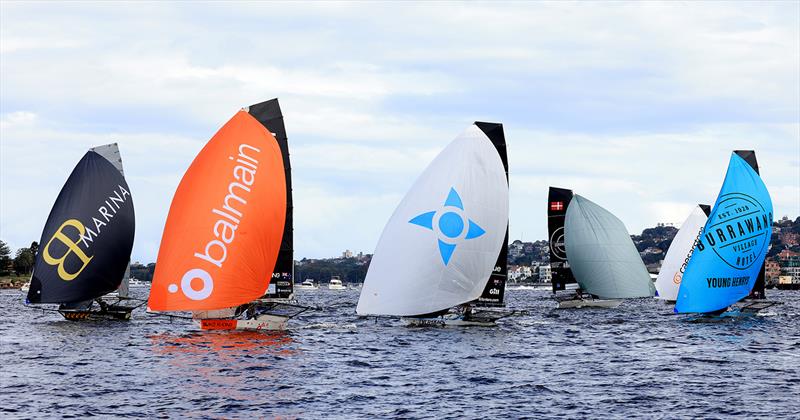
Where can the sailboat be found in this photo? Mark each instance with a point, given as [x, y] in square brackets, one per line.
[558, 200]
[226, 251]
[679, 253]
[87, 241]
[730, 254]
[602, 257]
[436, 262]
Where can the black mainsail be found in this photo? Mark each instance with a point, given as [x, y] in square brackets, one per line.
[759, 289]
[494, 293]
[269, 114]
[557, 203]
[88, 237]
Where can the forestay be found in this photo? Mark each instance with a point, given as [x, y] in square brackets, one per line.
[679, 252]
[440, 245]
[602, 255]
[729, 255]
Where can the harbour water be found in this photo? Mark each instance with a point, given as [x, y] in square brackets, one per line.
[638, 361]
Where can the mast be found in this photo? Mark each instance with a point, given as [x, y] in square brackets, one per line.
[760, 288]
[494, 293]
[557, 203]
[269, 114]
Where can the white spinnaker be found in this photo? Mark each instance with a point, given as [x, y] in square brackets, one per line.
[407, 275]
[669, 278]
[601, 254]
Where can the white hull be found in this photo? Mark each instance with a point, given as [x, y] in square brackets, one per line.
[307, 287]
[589, 303]
[337, 288]
[263, 322]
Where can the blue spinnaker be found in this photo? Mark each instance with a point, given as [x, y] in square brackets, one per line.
[732, 248]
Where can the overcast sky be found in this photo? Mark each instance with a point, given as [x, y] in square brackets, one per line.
[635, 106]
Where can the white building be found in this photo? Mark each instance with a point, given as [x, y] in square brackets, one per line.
[545, 276]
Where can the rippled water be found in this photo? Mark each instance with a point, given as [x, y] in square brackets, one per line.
[636, 361]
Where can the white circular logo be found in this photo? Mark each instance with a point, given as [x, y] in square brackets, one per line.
[186, 284]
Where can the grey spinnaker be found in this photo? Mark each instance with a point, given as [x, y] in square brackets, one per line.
[602, 255]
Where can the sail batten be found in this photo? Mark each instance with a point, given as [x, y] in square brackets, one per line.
[440, 246]
[602, 255]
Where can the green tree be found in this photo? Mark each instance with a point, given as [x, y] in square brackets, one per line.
[23, 262]
[5, 259]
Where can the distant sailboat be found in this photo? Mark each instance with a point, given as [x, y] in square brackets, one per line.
[87, 241]
[602, 257]
[730, 254]
[679, 253]
[558, 200]
[439, 250]
[228, 238]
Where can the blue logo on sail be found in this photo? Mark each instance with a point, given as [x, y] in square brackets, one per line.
[450, 225]
[739, 231]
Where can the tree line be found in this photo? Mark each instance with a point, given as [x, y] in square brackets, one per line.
[22, 262]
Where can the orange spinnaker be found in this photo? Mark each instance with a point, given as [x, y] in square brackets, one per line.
[224, 227]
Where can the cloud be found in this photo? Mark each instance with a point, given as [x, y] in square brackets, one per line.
[634, 105]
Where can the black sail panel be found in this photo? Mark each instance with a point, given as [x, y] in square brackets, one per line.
[558, 200]
[269, 114]
[760, 287]
[88, 237]
[495, 290]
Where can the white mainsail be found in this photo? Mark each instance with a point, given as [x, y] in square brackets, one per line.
[678, 254]
[602, 255]
[440, 245]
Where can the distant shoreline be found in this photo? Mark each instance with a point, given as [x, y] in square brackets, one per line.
[13, 282]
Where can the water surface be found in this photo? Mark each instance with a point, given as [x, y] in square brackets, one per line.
[639, 360]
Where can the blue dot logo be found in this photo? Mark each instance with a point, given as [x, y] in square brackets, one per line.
[450, 225]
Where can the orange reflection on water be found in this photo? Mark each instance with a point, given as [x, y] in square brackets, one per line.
[225, 358]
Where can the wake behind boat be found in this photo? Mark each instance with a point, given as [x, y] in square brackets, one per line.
[226, 254]
[87, 240]
[436, 261]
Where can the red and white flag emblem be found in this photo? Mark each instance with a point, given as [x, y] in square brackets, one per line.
[556, 205]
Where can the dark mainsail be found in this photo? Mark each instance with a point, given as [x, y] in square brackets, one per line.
[557, 202]
[269, 114]
[494, 293]
[759, 289]
[87, 240]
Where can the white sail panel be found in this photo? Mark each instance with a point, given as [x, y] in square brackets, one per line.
[441, 244]
[602, 255]
[671, 273]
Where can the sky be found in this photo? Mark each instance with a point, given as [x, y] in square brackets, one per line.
[635, 106]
